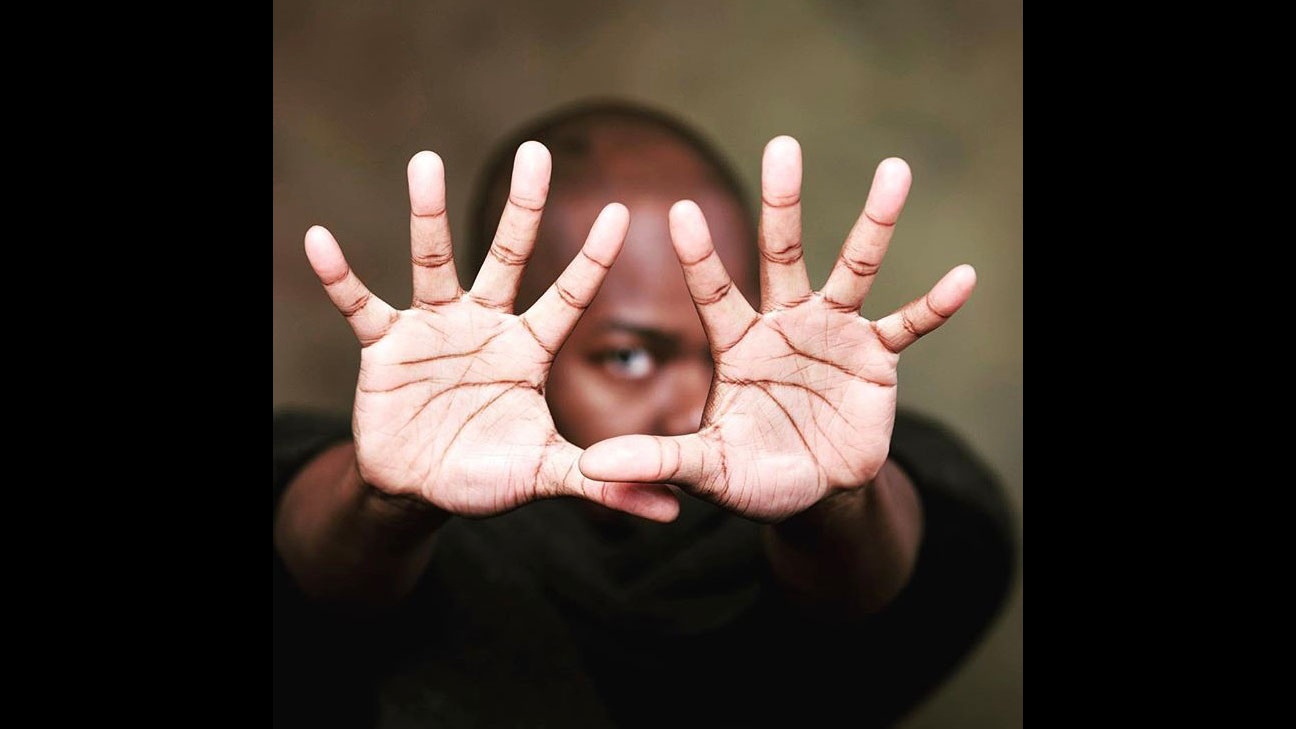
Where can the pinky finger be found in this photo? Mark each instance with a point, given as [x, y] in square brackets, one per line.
[369, 316]
[923, 315]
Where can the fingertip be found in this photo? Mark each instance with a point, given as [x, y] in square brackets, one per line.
[966, 278]
[665, 510]
[688, 231]
[654, 502]
[782, 145]
[781, 170]
[425, 161]
[531, 171]
[687, 218]
[615, 212]
[323, 253]
[317, 238]
[683, 209]
[954, 289]
[608, 233]
[589, 465]
[961, 278]
[426, 173]
[894, 167]
[532, 154]
[532, 147]
[618, 219]
[893, 178]
[886, 197]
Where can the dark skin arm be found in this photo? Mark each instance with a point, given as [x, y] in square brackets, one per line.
[852, 553]
[345, 541]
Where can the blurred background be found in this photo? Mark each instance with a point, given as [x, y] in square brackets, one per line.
[360, 87]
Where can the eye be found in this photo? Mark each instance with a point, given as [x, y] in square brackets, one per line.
[631, 363]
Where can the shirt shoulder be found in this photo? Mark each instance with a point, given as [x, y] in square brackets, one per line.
[944, 468]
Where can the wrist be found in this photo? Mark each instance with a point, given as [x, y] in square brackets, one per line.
[395, 514]
[845, 505]
[855, 548]
[344, 540]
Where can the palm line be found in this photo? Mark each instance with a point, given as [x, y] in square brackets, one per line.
[513, 384]
[784, 383]
[445, 452]
[792, 422]
[453, 355]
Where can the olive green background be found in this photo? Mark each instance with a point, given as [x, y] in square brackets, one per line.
[360, 87]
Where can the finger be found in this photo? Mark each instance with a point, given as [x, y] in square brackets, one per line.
[650, 501]
[920, 316]
[432, 252]
[726, 315]
[784, 281]
[861, 256]
[369, 316]
[681, 460]
[551, 319]
[501, 274]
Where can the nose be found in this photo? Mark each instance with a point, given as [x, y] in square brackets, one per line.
[688, 385]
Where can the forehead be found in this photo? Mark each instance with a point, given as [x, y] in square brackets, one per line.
[648, 172]
[624, 156]
[647, 272]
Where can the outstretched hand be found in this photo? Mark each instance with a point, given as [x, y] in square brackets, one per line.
[803, 399]
[449, 405]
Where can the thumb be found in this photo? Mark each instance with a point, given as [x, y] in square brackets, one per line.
[648, 500]
[681, 460]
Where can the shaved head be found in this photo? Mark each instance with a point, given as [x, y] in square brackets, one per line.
[603, 152]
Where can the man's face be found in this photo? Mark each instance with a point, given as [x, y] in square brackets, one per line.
[638, 361]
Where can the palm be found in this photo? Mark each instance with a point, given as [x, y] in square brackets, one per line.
[804, 395]
[449, 402]
[793, 417]
[443, 394]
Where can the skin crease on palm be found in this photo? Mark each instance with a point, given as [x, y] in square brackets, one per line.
[666, 379]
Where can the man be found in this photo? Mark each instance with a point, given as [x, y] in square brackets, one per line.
[655, 504]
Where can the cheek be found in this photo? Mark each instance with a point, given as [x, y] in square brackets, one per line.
[588, 406]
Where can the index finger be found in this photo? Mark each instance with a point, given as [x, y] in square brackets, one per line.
[551, 319]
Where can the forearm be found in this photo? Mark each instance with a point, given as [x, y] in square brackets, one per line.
[851, 553]
[343, 541]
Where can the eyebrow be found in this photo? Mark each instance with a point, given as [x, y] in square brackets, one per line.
[657, 337]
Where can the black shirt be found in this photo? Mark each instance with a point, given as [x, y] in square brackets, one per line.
[544, 617]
